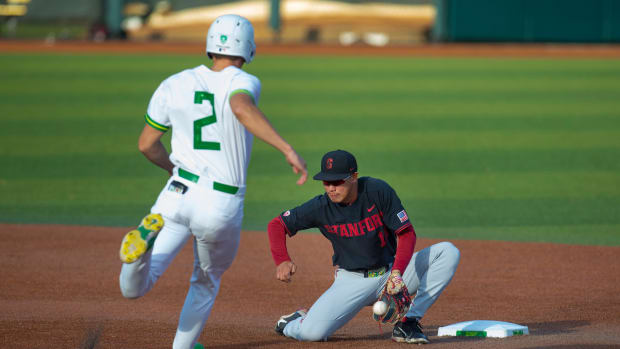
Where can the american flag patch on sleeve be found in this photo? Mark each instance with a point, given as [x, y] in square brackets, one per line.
[402, 216]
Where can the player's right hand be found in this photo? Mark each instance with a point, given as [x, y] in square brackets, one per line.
[285, 271]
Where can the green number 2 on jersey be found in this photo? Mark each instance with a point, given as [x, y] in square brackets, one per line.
[199, 97]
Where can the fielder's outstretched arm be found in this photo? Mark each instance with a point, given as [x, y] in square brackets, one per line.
[285, 268]
[256, 122]
[150, 145]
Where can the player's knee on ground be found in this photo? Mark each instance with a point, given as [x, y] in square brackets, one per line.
[313, 334]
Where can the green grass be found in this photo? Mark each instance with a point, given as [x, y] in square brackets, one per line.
[508, 149]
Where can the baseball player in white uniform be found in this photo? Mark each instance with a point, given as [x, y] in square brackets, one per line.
[213, 115]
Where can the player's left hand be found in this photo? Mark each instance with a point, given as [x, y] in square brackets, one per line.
[398, 305]
[395, 282]
[285, 271]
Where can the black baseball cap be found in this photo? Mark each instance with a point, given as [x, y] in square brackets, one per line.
[336, 165]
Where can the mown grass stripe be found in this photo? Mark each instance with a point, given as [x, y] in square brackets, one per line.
[489, 148]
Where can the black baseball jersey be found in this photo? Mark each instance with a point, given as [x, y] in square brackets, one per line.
[363, 234]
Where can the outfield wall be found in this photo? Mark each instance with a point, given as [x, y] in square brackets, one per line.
[528, 20]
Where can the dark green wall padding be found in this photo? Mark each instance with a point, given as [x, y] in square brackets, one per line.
[592, 21]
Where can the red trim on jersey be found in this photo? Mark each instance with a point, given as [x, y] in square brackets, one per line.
[404, 249]
[277, 240]
[285, 227]
[401, 229]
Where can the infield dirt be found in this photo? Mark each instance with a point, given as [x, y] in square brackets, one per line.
[60, 290]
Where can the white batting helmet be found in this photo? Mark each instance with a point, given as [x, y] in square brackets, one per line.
[231, 35]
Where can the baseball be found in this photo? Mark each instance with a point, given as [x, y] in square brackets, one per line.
[380, 308]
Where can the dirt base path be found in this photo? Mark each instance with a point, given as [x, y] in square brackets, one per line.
[60, 289]
[433, 50]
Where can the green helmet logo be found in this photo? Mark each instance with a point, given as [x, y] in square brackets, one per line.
[223, 39]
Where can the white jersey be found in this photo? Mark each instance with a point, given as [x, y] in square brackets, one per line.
[207, 139]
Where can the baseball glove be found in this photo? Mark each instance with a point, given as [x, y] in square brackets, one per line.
[398, 305]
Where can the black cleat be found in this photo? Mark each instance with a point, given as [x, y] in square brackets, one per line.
[285, 319]
[409, 331]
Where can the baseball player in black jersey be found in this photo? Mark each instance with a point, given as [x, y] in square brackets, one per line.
[373, 241]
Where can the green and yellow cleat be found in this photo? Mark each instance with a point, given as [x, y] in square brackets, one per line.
[138, 241]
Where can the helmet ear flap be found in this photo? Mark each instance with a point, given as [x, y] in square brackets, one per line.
[231, 35]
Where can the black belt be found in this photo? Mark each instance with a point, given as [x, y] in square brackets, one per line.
[371, 273]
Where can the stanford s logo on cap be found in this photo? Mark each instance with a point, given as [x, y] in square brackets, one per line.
[329, 163]
[336, 165]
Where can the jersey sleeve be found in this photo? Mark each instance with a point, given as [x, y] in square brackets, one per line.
[394, 214]
[157, 115]
[248, 84]
[301, 217]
